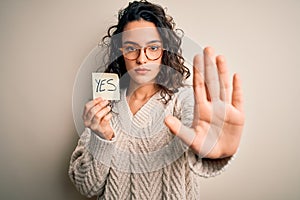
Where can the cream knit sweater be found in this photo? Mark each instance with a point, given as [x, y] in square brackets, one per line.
[144, 160]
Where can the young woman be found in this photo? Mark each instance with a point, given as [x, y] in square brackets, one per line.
[162, 136]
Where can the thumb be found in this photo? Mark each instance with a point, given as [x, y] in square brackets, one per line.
[173, 124]
[187, 135]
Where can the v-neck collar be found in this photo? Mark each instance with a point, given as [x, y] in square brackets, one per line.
[145, 109]
[148, 120]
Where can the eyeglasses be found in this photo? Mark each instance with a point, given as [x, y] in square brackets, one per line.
[152, 52]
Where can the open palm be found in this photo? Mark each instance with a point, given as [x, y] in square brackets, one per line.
[218, 112]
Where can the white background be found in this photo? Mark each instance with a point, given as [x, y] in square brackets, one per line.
[42, 44]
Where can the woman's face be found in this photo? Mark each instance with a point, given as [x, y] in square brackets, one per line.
[140, 35]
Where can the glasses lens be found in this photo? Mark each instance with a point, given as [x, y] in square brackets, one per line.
[153, 52]
[132, 53]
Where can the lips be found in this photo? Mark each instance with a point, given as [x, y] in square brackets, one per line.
[142, 70]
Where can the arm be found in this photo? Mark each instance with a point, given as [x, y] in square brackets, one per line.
[204, 167]
[218, 117]
[85, 171]
[89, 165]
[207, 167]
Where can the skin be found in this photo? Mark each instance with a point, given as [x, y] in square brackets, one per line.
[141, 86]
[212, 89]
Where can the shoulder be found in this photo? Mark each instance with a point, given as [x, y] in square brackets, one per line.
[185, 90]
[183, 105]
[184, 94]
[182, 99]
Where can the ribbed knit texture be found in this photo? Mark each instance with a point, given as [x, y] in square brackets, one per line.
[144, 160]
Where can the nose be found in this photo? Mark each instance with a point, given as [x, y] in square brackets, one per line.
[141, 59]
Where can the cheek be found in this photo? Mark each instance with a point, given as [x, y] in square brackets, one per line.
[157, 68]
[129, 64]
[158, 65]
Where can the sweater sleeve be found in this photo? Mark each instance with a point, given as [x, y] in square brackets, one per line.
[85, 171]
[203, 167]
[206, 167]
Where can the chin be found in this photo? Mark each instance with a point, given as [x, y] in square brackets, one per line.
[143, 80]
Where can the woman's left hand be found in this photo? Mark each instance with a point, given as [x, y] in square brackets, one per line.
[218, 112]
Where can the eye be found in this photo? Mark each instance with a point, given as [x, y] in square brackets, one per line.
[129, 49]
[154, 48]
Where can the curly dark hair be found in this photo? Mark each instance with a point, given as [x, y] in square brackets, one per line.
[167, 81]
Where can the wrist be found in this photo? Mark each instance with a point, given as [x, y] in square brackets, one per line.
[107, 135]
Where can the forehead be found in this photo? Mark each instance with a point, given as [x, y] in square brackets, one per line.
[140, 32]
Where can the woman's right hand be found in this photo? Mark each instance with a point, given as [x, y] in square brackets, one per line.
[96, 116]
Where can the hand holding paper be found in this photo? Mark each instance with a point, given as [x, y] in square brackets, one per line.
[96, 115]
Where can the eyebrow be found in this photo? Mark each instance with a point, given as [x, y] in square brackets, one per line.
[134, 43]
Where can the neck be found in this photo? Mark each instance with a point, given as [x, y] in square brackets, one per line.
[142, 92]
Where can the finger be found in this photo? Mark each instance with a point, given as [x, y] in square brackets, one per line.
[100, 115]
[237, 93]
[107, 118]
[92, 111]
[105, 127]
[211, 74]
[90, 115]
[198, 79]
[91, 104]
[223, 79]
[187, 135]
